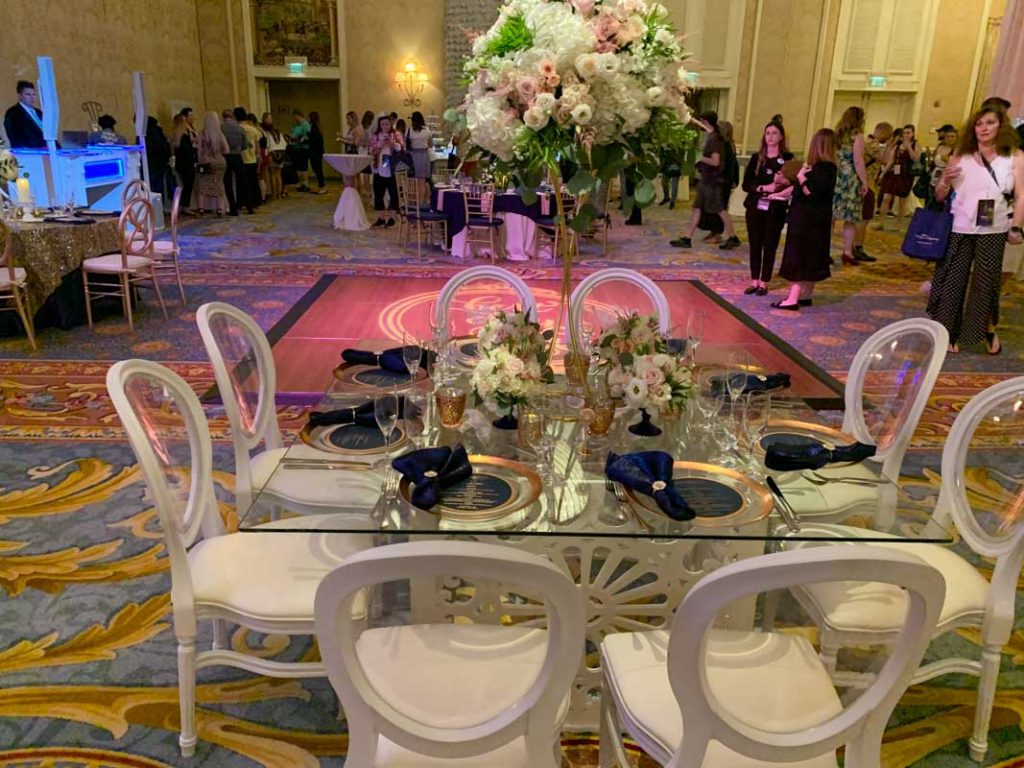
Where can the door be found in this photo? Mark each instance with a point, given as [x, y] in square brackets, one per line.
[308, 96]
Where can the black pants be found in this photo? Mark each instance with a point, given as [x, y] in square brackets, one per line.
[316, 164]
[187, 174]
[234, 186]
[636, 216]
[382, 185]
[251, 182]
[764, 228]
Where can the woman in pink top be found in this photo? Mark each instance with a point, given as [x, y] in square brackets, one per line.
[385, 143]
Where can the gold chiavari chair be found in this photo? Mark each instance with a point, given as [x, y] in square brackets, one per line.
[165, 253]
[481, 223]
[13, 286]
[415, 215]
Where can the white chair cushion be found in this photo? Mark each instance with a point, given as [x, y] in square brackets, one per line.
[449, 675]
[313, 487]
[771, 681]
[111, 263]
[5, 277]
[810, 500]
[877, 607]
[268, 576]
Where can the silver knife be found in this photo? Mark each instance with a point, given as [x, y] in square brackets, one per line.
[786, 511]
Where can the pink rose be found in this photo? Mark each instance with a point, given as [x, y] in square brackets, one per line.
[584, 7]
[527, 87]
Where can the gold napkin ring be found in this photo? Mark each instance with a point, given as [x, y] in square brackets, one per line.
[430, 474]
[659, 485]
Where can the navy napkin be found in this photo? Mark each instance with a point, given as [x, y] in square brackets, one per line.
[66, 220]
[361, 415]
[754, 383]
[785, 458]
[431, 469]
[649, 473]
[389, 359]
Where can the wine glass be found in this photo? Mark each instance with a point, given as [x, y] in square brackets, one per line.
[736, 377]
[756, 417]
[414, 416]
[385, 411]
[694, 333]
[412, 354]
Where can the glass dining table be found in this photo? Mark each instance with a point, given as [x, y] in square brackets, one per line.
[548, 494]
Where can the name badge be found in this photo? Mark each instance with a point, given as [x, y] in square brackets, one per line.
[896, 170]
[770, 171]
[764, 204]
[986, 213]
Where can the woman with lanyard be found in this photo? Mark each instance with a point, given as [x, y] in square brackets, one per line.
[986, 176]
[765, 217]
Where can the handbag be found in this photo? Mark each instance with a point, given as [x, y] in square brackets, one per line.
[928, 233]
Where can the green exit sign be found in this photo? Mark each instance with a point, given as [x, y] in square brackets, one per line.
[877, 81]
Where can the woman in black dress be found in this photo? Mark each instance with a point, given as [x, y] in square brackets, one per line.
[765, 217]
[807, 257]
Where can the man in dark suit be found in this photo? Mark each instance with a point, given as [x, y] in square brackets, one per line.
[24, 121]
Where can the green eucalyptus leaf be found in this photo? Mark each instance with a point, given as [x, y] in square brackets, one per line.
[644, 193]
[581, 182]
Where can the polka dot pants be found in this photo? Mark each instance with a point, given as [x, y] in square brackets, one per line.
[963, 299]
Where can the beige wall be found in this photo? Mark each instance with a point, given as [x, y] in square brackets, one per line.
[379, 44]
[95, 52]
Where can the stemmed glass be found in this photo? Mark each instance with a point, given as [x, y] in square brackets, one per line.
[756, 417]
[412, 354]
[694, 333]
[385, 411]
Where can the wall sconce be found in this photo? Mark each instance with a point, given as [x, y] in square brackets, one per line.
[410, 80]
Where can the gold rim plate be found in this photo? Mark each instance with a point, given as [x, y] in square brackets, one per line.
[317, 437]
[346, 373]
[526, 489]
[758, 501]
[828, 437]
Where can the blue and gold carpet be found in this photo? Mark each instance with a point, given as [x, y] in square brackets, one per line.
[87, 658]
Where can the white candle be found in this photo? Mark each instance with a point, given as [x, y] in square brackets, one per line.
[24, 192]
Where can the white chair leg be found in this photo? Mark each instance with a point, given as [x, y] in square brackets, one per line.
[768, 610]
[990, 660]
[220, 634]
[187, 696]
[611, 751]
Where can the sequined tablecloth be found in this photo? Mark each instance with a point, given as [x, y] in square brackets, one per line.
[48, 252]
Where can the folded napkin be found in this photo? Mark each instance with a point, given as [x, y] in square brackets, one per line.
[432, 469]
[649, 473]
[676, 346]
[784, 458]
[66, 220]
[389, 359]
[755, 383]
[361, 415]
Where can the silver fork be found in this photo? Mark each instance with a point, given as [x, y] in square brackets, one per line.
[816, 478]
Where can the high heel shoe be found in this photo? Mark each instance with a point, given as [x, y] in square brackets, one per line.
[995, 346]
[849, 261]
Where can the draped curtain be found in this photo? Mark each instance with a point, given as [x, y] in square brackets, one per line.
[1008, 67]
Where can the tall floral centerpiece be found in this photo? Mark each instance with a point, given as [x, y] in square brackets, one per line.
[642, 371]
[512, 365]
[577, 91]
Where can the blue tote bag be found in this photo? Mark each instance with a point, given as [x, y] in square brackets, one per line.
[928, 233]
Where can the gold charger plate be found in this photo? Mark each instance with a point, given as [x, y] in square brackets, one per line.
[522, 484]
[319, 438]
[466, 350]
[755, 500]
[827, 436]
[348, 375]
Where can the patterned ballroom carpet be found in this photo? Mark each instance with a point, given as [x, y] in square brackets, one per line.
[87, 675]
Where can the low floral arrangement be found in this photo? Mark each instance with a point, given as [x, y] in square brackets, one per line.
[513, 360]
[8, 165]
[640, 368]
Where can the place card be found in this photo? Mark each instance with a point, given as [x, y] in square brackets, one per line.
[355, 438]
[380, 377]
[477, 493]
[709, 498]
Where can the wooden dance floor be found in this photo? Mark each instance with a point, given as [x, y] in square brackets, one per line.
[341, 311]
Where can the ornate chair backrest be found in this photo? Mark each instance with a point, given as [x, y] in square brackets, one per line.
[659, 303]
[983, 491]
[133, 189]
[748, 730]
[479, 199]
[370, 710]
[7, 251]
[168, 432]
[483, 272]
[136, 226]
[890, 380]
[243, 366]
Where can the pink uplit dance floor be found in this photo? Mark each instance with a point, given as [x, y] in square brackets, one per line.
[342, 312]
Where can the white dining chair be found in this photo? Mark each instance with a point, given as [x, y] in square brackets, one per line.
[243, 367]
[265, 581]
[984, 496]
[887, 388]
[442, 308]
[698, 697]
[659, 303]
[165, 253]
[452, 694]
[131, 266]
[14, 284]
